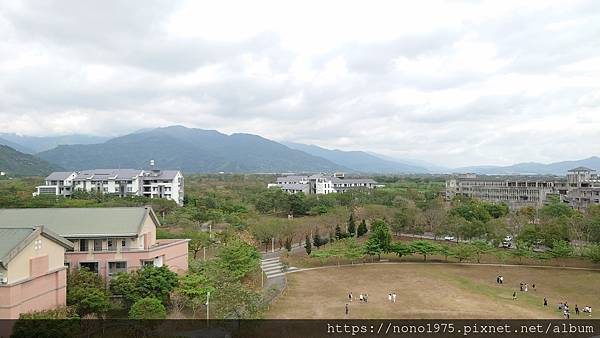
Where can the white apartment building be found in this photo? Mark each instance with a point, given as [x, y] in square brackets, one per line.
[167, 184]
[321, 184]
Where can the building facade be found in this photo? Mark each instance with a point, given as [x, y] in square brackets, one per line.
[321, 184]
[32, 271]
[580, 188]
[168, 184]
[106, 240]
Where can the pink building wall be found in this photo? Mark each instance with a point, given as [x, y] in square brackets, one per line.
[174, 251]
[42, 292]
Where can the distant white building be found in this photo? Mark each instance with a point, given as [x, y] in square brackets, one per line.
[321, 184]
[168, 184]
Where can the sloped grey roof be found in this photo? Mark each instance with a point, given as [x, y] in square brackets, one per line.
[100, 174]
[581, 169]
[80, 222]
[59, 175]
[10, 238]
[291, 178]
[336, 180]
[15, 239]
[295, 186]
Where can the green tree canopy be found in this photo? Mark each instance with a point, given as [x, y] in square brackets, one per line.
[424, 248]
[238, 257]
[148, 308]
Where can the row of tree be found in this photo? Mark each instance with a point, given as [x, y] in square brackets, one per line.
[380, 242]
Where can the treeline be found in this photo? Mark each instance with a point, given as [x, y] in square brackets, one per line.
[380, 241]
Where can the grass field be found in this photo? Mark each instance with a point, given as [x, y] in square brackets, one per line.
[435, 291]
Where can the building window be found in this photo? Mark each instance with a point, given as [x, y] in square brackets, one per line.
[110, 244]
[97, 245]
[83, 245]
[92, 266]
[68, 265]
[123, 243]
[116, 267]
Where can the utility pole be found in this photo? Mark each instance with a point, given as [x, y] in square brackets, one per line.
[204, 249]
[273, 244]
[207, 308]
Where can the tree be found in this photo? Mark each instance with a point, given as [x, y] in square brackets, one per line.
[338, 232]
[155, 282]
[317, 241]
[380, 231]
[124, 285]
[561, 249]
[238, 257]
[87, 293]
[307, 245]
[297, 204]
[192, 289]
[362, 228]
[351, 226]
[234, 300]
[521, 251]
[288, 244]
[400, 249]
[148, 308]
[593, 252]
[444, 250]
[462, 252]
[373, 247]
[480, 248]
[198, 241]
[424, 248]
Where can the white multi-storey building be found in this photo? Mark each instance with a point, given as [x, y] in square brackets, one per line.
[321, 184]
[168, 184]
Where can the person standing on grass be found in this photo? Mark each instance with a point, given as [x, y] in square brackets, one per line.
[514, 295]
[545, 301]
[389, 297]
[346, 309]
[366, 298]
[394, 297]
[576, 310]
[501, 279]
[350, 296]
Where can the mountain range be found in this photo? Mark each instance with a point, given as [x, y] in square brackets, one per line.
[208, 151]
[36, 144]
[16, 163]
[360, 160]
[190, 150]
[556, 168]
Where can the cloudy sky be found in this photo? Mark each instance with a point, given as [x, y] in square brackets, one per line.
[452, 82]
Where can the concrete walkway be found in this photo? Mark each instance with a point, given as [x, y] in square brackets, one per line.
[446, 263]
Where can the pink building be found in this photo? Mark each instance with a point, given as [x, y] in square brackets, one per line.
[32, 271]
[107, 240]
[104, 240]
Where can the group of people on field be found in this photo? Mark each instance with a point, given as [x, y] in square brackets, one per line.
[364, 298]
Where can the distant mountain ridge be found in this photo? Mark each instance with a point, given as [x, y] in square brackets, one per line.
[207, 151]
[359, 160]
[35, 144]
[191, 150]
[16, 163]
[556, 168]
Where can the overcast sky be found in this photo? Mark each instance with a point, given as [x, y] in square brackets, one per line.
[452, 82]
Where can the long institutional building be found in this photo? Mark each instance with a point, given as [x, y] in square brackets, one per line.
[168, 184]
[321, 184]
[580, 188]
